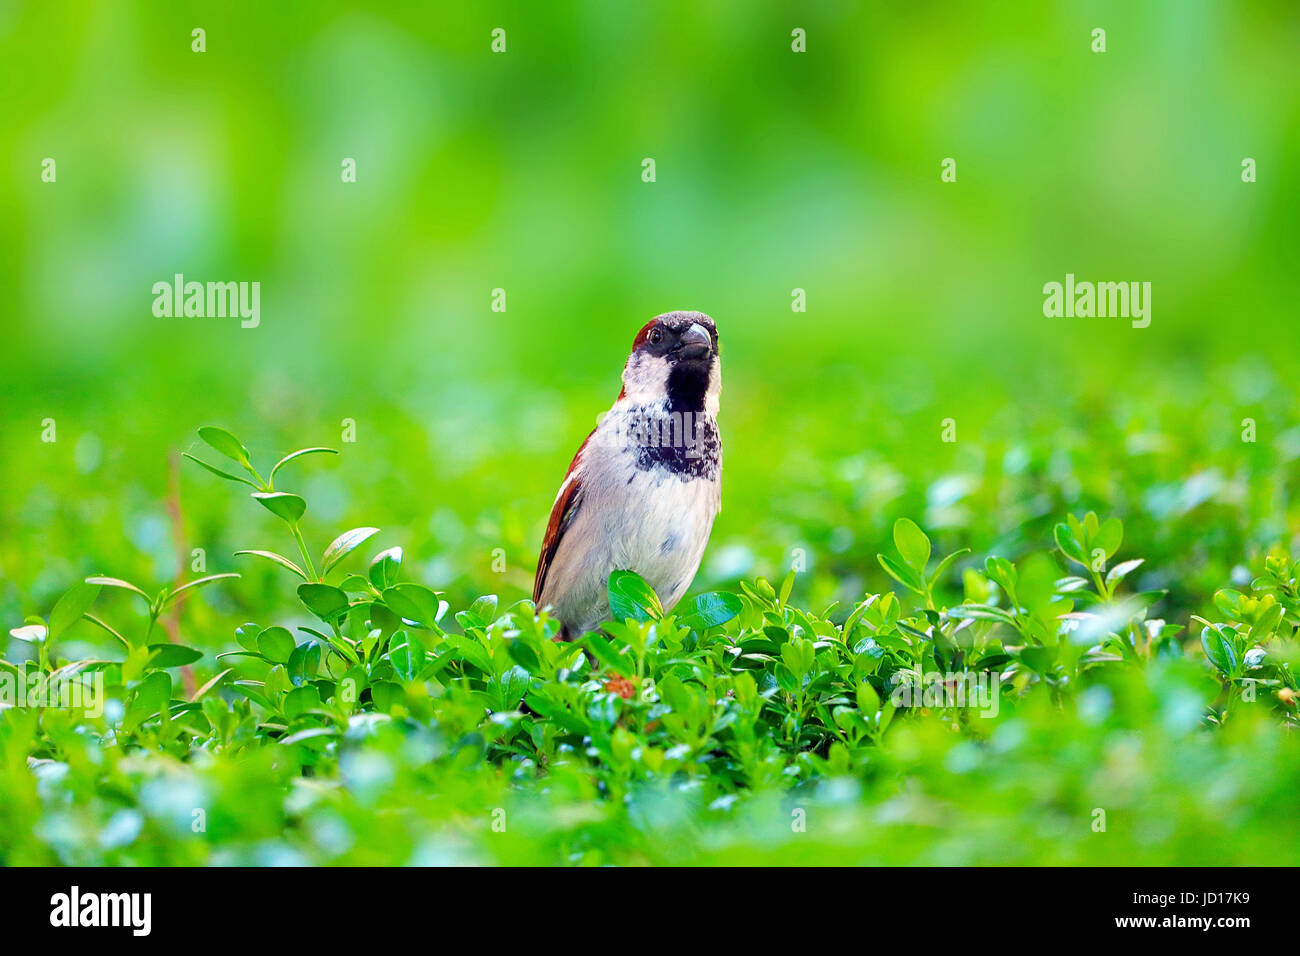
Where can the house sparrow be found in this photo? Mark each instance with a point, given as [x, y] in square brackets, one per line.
[644, 488]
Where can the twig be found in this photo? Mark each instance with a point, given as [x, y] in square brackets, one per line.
[172, 623]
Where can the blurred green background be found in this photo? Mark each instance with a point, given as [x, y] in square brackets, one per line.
[775, 171]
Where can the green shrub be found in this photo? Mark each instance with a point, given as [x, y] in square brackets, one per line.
[1006, 713]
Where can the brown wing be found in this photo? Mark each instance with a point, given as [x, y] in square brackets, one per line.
[566, 507]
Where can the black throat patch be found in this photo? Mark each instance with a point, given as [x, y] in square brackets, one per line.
[688, 383]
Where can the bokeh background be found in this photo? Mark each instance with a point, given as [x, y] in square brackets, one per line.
[522, 171]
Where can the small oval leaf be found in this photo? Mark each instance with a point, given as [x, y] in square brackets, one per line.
[70, 608]
[222, 441]
[912, 543]
[341, 546]
[275, 643]
[172, 655]
[283, 504]
[406, 654]
[325, 601]
[384, 568]
[710, 610]
[277, 559]
[414, 602]
[631, 597]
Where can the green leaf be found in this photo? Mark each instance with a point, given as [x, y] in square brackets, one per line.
[256, 655]
[982, 612]
[386, 695]
[1228, 601]
[311, 733]
[172, 655]
[472, 652]
[275, 643]
[342, 545]
[1108, 536]
[631, 597]
[119, 583]
[197, 583]
[606, 654]
[245, 687]
[1267, 622]
[218, 472]
[246, 635]
[849, 720]
[198, 694]
[710, 610]
[901, 573]
[277, 682]
[351, 684]
[149, 698]
[414, 602]
[341, 645]
[283, 504]
[886, 715]
[1036, 587]
[1218, 649]
[325, 601]
[912, 543]
[406, 654]
[72, 606]
[513, 685]
[523, 655]
[384, 617]
[384, 568]
[301, 699]
[786, 679]
[98, 623]
[1069, 543]
[1001, 571]
[1079, 528]
[304, 662]
[277, 559]
[799, 655]
[485, 608]
[1038, 658]
[223, 442]
[943, 565]
[298, 454]
[1122, 570]
[868, 699]
[787, 588]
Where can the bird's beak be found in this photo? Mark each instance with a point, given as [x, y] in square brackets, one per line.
[696, 342]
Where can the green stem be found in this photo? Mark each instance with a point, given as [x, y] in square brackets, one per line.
[302, 549]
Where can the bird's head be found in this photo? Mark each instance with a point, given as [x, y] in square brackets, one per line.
[675, 359]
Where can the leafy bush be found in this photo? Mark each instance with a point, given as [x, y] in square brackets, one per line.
[1022, 712]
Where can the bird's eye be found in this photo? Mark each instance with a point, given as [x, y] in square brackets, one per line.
[656, 336]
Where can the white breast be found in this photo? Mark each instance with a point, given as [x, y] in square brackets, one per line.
[650, 521]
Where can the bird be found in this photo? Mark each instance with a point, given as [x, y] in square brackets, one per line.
[644, 488]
